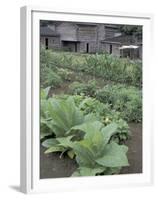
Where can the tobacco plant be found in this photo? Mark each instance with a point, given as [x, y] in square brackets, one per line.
[95, 154]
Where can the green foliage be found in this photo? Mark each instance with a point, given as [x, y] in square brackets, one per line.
[126, 100]
[103, 65]
[106, 115]
[58, 116]
[65, 74]
[102, 112]
[89, 125]
[114, 69]
[87, 89]
[131, 29]
[94, 154]
[49, 78]
[73, 129]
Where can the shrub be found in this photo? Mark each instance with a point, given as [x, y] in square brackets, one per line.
[106, 115]
[87, 89]
[48, 70]
[126, 100]
[49, 78]
[65, 74]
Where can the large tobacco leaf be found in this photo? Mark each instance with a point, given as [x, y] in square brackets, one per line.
[96, 151]
[59, 116]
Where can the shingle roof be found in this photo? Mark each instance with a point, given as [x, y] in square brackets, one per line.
[46, 31]
[123, 39]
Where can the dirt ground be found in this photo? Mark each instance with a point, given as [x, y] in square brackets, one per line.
[51, 166]
[135, 150]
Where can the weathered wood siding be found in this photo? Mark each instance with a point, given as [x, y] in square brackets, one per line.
[87, 33]
[67, 31]
[53, 42]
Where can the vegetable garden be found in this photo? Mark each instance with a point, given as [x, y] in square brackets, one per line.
[88, 103]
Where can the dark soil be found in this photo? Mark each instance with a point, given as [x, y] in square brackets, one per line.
[78, 77]
[135, 150]
[52, 166]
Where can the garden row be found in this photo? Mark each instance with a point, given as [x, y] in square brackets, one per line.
[127, 100]
[88, 120]
[86, 130]
[56, 66]
[56, 69]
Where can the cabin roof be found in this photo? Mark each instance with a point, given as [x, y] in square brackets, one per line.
[46, 31]
[122, 39]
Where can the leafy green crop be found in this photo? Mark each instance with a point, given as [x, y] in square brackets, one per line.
[65, 74]
[93, 109]
[49, 78]
[105, 114]
[103, 65]
[125, 99]
[58, 116]
[88, 89]
[95, 154]
[69, 129]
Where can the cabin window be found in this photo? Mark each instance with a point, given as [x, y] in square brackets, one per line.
[46, 43]
[110, 49]
[87, 47]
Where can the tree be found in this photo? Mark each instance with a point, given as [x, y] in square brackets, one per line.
[131, 29]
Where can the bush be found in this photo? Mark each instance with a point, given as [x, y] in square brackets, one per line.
[65, 74]
[105, 114]
[87, 89]
[49, 78]
[126, 100]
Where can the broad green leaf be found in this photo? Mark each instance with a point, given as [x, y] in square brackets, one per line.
[64, 116]
[114, 156]
[108, 131]
[50, 142]
[54, 149]
[44, 93]
[85, 171]
[84, 155]
[112, 170]
[97, 144]
[90, 118]
[42, 135]
[71, 154]
[90, 128]
[65, 141]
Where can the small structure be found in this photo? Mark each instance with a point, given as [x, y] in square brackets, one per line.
[124, 46]
[89, 38]
[130, 51]
[49, 38]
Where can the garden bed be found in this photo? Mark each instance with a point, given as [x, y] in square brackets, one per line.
[91, 114]
[52, 166]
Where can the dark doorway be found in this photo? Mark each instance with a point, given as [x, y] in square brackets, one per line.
[87, 47]
[70, 46]
[75, 46]
[110, 49]
[46, 43]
